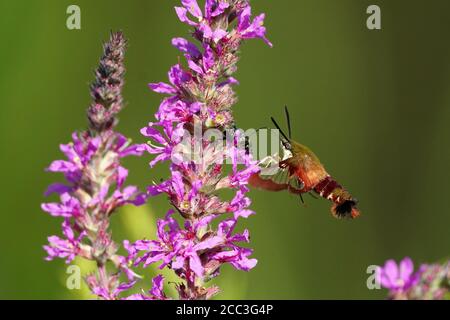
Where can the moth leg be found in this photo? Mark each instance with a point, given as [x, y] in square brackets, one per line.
[301, 198]
[247, 145]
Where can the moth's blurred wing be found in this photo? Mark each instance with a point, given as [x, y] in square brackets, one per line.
[274, 178]
[265, 184]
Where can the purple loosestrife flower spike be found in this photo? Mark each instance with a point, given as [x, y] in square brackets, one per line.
[398, 278]
[433, 284]
[106, 90]
[201, 96]
[95, 181]
[430, 282]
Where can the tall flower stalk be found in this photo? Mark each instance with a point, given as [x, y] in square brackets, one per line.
[199, 97]
[95, 181]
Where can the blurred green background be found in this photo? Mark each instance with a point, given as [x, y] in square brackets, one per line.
[374, 105]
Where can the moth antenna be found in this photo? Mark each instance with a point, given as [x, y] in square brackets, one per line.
[288, 119]
[279, 129]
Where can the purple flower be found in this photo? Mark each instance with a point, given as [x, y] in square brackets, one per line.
[163, 143]
[199, 98]
[398, 278]
[252, 29]
[67, 208]
[155, 293]
[177, 77]
[204, 22]
[430, 282]
[180, 248]
[64, 248]
[187, 47]
[107, 288]
[434, 282]
[95, 181]
[239, 156]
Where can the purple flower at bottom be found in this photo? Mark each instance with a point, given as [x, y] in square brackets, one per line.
[190, 256]
[398, 278]
[156, 293]
[107, 288]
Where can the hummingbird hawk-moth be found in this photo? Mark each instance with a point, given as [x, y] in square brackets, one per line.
[300, 171]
